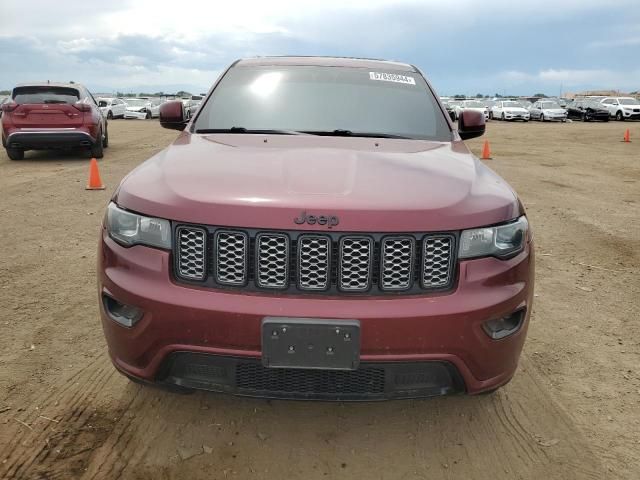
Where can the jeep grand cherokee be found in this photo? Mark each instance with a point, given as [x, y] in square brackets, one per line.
[317, 231]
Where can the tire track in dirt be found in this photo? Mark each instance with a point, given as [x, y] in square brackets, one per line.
[62, 441]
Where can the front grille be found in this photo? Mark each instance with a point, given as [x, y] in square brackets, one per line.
[332, 263]
[255, 377]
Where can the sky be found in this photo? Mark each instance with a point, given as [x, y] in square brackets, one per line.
[516, 47]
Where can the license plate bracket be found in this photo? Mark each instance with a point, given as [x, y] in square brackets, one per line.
[310, 343]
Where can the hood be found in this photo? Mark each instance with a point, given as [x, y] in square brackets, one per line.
[516, 109]
[554, 110]
[377, 185]
[135, 109]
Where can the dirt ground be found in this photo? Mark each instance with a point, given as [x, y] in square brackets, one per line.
[571, 412]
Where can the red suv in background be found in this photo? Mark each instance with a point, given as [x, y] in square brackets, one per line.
[43, 116]
[318, 230]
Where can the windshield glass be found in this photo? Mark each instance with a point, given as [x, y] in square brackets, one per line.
[136, 102]
[473, 104]
[45, 94]
[629, 101]
[511, 104]
[550, 105]
[324, 99]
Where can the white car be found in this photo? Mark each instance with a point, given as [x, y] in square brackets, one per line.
[140, 108]
[471, 105]
[622, 108]
[112, 107]
[547, 110]
[509, 110]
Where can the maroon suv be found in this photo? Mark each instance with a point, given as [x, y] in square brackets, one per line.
[317, 231]
[43, 116]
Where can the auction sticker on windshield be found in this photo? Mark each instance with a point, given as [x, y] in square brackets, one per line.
[392, 77]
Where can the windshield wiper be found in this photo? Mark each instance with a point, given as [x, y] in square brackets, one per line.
[348, 133]
[247, 130]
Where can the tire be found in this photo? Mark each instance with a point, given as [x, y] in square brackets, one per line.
[97, 148]
[542, 117]
[502, 117]
[490, 115]
[105, 140]
[109, 115]
[619, 116]
[584, 117]
[15, 153]
[148, 115]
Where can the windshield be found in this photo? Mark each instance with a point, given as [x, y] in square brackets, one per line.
[45, 94]
[473, 104]
[136, 102]
[511, 104]
[324, 99]
[550, 105]
[628, 101]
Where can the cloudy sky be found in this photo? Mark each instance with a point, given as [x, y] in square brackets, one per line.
[464, 46]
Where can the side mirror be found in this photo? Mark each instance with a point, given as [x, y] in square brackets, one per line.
[172, 115]
[470, 124]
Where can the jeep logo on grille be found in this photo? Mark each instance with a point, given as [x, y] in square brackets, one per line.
[329, 220]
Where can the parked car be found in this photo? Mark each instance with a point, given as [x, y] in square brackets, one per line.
[524, 103]
[452, 106]
[191, 104]
[318, 231]
[587, 110]
[154, 105]
[44, 116]
[547, 110]
[622, 108]
[139, 108]
[112, 107]
[476, 105]
[509, 110]
[3, 100]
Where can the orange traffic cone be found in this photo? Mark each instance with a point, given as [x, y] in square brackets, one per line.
[627, 136]
[486, 151]
[94, 176]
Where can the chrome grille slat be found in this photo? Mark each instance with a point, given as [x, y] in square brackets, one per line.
[192, 243]
[436, 261]
[314, 261]
[354, 270]
[397, 259]
[231, 257]
[272, 260]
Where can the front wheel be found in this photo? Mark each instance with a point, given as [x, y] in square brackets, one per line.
[584, 117]
[109, 115]
[490, 115]
[148, 115]
[542, 117]
[502, 117]
[619, 116]
[15, 153]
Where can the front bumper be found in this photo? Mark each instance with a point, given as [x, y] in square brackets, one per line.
[405, 331]
[42, 139]
[631, 115]
[136, 115]
[517, 116]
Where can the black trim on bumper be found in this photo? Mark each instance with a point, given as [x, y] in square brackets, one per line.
[45, 140]
[371, 381]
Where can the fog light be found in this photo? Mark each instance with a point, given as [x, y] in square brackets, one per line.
[505, 326]
[126, 315]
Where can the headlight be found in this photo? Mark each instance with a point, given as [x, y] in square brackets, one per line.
[502, 241]
[130, 229]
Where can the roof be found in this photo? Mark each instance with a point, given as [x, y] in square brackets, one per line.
[49, 84]
[327, 62]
